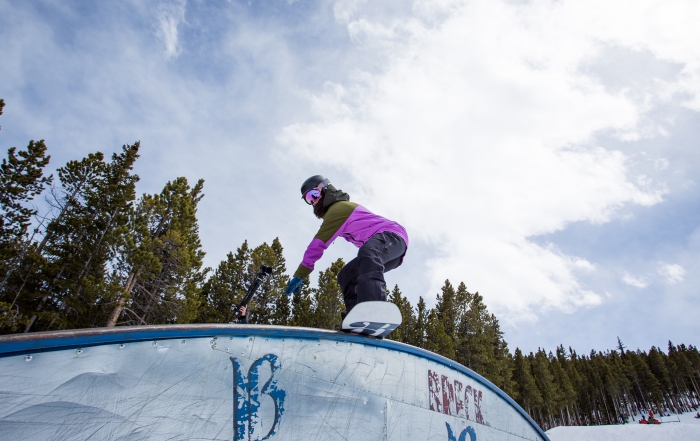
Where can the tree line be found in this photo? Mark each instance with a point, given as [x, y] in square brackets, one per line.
[606, 387]
[101, 256]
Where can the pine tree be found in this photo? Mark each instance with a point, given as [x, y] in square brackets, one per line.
[605, 387]
[619, 387]
[110, 205]
[475, 334]
[683, 375]
[447, 309]
[21, 180]
[279, 280]
[418, 336]
[561, 377]
[548, 388]
[436, 339]
[621, 347]
[66, 240]
[227, 287]
[403, 333]
[693, 356]
[463, 299]
[270, 305]
[638, 394]
[328, 298]
[302, 304]
[475, 341]
[500, 370]
[66, 287]
[651, 389]
[657, 366]
[223, 291]
[528, 395]
[161, 271]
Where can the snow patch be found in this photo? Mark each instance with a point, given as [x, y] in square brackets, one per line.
[678, 428]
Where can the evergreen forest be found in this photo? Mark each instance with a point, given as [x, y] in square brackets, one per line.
[100, 255]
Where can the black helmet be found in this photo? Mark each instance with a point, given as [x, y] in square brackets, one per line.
[312, 182]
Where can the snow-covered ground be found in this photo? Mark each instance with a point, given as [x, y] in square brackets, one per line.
[687, 429]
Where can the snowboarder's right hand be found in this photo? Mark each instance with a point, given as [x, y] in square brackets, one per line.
[294, 286]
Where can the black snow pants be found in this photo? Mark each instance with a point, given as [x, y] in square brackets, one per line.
[362, 279]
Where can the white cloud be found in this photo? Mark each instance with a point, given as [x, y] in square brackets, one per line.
[170, 14]
[480, 130]
[661, 163]
[637, 282]
[673, 273]
[344, 10]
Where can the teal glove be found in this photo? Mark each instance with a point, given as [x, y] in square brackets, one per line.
[294, 286]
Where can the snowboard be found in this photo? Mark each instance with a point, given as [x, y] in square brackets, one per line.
[373, 319]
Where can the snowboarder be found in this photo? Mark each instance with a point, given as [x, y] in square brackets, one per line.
[382, 243]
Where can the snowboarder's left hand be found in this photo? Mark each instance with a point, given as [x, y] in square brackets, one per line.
[294, 286]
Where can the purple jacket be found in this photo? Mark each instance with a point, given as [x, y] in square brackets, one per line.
[351, 221]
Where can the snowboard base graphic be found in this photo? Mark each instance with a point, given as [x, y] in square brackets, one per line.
[373, 319]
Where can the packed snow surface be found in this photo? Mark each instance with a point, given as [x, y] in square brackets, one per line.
[687, 429]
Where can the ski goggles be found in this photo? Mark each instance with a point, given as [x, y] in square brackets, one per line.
[311, 196]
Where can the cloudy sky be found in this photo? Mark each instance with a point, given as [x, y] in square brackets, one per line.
[544, 152]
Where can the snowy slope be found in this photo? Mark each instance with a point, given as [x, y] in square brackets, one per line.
[687, 429]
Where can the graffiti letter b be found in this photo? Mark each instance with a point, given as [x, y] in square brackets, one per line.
[247, 393]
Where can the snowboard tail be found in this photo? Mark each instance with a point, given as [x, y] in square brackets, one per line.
[373, 319]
